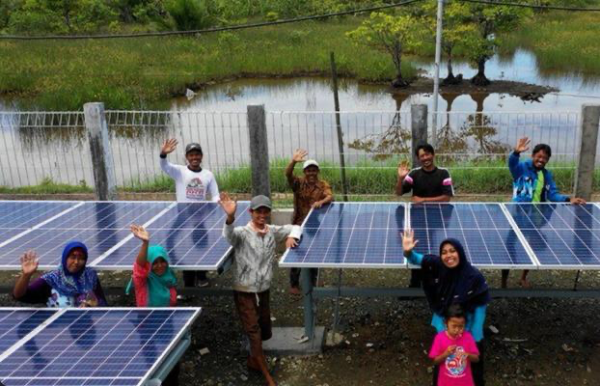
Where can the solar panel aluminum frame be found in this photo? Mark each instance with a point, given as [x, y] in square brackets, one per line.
[514, 228]
[157, 364]
[219, 266]
[544, 266]
[404, 265]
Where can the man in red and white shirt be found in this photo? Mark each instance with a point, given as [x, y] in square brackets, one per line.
[192, 184]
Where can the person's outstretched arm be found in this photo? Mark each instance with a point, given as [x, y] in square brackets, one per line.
[168, 147]
[408, 245]
[142, 234]
[403, 171]
[29, 266]
[514, 164]
[298, 156]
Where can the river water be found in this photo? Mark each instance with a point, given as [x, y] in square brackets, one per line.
[376, 124]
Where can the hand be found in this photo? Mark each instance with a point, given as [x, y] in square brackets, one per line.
[229, 206]
[299, 155]
[29, 262]
[317, 205]
[522, 145]
[168, 146]
[417, 199]
[291, 242]
[577, 201]
[408, 241]
[450, 350]
[140, 232]
[403, 170]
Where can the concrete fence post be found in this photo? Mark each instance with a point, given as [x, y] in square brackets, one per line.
[418, 123]
[102, 158]
[259, 150]
[584, 176]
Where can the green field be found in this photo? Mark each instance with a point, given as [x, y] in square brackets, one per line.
[146, 73]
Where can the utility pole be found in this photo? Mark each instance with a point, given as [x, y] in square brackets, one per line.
[436, 79]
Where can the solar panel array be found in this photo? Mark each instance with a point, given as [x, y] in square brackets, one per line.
[351, 235]
[483, 230]
[494, 235]
[561, 235]
[191, 232]
[116, 347]
[547, 235]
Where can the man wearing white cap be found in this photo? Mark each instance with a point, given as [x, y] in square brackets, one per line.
[309, 192]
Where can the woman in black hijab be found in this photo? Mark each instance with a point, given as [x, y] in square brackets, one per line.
[451, 279]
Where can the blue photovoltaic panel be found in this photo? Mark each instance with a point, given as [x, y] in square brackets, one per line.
[18, 216]
[97, 347]
[191, 233]
[100, 225]
[483, 229]
[560, 235]
[16, 323]
[353, 235]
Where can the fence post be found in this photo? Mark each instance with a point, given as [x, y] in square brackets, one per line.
[102, 158]
[259, 150]
[418, 124]
[584, 176]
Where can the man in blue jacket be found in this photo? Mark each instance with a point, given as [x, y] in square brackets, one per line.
[533, 183]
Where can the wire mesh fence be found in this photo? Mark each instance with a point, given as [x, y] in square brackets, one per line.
[37, 147]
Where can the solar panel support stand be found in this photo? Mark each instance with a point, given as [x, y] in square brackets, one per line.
[309, 307]
[170, 361]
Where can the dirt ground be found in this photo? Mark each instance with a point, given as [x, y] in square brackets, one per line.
[540, 341]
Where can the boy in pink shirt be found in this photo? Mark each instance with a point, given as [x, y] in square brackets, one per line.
[454, 350]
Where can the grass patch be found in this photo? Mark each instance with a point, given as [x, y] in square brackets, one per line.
[561, 41]
[145, 73]
[371, 179]
[367, 181]
[48, 187]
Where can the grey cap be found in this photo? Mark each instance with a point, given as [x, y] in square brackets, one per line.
[259, 202]
[193, 146]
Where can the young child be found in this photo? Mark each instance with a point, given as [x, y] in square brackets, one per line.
[454, 350]
[254, 245]
[154, 281]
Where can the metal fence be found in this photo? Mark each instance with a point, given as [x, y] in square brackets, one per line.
[43, 147]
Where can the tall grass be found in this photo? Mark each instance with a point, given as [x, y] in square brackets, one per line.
[368, 180]
[561, 41]
[145, 73]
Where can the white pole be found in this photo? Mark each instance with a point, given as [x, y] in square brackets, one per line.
[436, 79]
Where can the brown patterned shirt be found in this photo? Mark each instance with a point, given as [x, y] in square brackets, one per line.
[306, 195]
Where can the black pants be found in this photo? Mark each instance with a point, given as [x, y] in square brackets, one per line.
[476, 368]
[295, 276]
[190, 278]
[416, 277]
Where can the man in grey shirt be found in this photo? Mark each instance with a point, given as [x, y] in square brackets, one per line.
[254, 245]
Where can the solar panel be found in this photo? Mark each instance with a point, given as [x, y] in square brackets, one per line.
[96, 347]
[560, 235]
[100, 225]
[17, 217]
[483, 229]
[16, 323]
[191, 233]
[351, 235]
